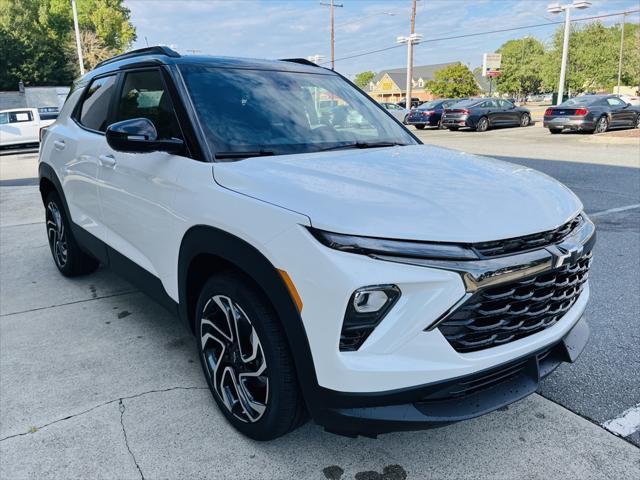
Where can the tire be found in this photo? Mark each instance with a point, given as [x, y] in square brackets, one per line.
[419, 127]
[441, 126]
[637, 124]
[453, 129]
[482, 125]
[69, 258]
[555, 130]
[602, 125]
[257, 393]
[525, 120]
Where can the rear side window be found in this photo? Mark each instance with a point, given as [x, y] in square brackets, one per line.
[17, 117]
[144, 95]
[94, 112]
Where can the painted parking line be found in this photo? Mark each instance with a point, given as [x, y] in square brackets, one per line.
[615, 210]
[626, 424]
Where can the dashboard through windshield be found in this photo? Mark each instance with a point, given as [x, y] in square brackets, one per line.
[265, 112]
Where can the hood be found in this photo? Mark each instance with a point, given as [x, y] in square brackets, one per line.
[416, 192]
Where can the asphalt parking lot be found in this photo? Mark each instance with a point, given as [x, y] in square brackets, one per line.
[97, 381]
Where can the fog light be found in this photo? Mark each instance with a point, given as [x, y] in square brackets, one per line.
[365, 310]
[367, 301]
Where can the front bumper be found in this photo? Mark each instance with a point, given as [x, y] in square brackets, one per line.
[570, 123]
[439, 404]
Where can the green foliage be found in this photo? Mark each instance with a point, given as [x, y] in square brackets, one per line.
[37, 42]
[522, 61]
[592, 64]
[363, 78]
[453, 81]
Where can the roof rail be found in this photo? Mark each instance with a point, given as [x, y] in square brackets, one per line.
[156, 50]
[302, 61]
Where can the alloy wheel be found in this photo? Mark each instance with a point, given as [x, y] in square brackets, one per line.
[524, 120]
[234, 359]
[57, 235]
[482, 125]
[602, 125]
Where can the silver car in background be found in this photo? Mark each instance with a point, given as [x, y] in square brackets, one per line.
[592, 113]
[396, 110]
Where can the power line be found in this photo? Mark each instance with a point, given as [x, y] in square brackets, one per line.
[502, 30]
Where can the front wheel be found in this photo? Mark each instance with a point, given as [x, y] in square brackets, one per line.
[602, 125]
[67, 254]
[525, 120]
[555, 130]
[453, 129]
[482, 125]
[419, 127]
[638, 121]
[246, 359]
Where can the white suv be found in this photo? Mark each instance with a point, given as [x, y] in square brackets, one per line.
[328, 263]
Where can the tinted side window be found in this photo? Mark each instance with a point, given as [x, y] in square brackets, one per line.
[17, 117]
[4, 118]
[144, 95]
[615, 102]
[94, 112]
[505, 104]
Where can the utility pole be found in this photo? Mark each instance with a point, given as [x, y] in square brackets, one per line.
[408, 103]
[624, 16]
[78, 44]
[331, 5]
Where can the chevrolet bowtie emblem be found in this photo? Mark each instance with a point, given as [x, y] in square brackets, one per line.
[565, 252]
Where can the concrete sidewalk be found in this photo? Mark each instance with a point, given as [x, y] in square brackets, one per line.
[99, 382]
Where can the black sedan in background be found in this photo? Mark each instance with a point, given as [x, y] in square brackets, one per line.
[592, 113]
[429, 114]
[480, 114]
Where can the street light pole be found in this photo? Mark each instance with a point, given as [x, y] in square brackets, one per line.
[77, 29]
[408, 101]
[331, 5]
[557, 8]
[624, 16]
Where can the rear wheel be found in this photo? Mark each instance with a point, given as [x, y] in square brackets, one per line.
[419, 126]
[482, 125]
[246, 359]
[453, 129]
[525, 120]
[67, 254]
[601, 125]
[637, 121]
[555, 130]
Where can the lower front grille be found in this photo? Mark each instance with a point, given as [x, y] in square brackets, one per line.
[510, 311]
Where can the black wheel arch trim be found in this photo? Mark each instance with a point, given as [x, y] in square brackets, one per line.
[207, 240]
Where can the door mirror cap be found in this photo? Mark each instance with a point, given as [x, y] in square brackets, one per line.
[139, 135]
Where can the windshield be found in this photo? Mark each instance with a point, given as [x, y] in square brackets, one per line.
[429, 105]
[467, 103]
[265, 112]
[580, 101]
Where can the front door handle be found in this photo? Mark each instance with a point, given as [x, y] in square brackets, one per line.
[107, 160]
[59, 145]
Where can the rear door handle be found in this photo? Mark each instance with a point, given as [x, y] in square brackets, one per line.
[59, 145]
[107, 160]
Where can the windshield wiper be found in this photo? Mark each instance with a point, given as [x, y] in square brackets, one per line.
[257, 153]
[363, 145]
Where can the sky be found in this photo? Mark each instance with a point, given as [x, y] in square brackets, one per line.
[300, 28]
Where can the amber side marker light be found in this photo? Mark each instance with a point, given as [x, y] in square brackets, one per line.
[292, 289]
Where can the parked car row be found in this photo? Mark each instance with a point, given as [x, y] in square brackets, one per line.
[590, 113]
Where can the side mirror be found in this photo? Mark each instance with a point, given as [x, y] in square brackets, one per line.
[139, 135]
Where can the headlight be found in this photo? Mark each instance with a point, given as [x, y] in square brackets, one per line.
[398, 248]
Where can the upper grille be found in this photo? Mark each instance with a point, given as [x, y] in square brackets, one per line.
[528, 242]
[514, 310]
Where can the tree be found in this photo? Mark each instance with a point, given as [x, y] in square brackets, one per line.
[93, 50]
[520, 67]
[593, 58]
[34, 35]
[363, 78]
[453, 81]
